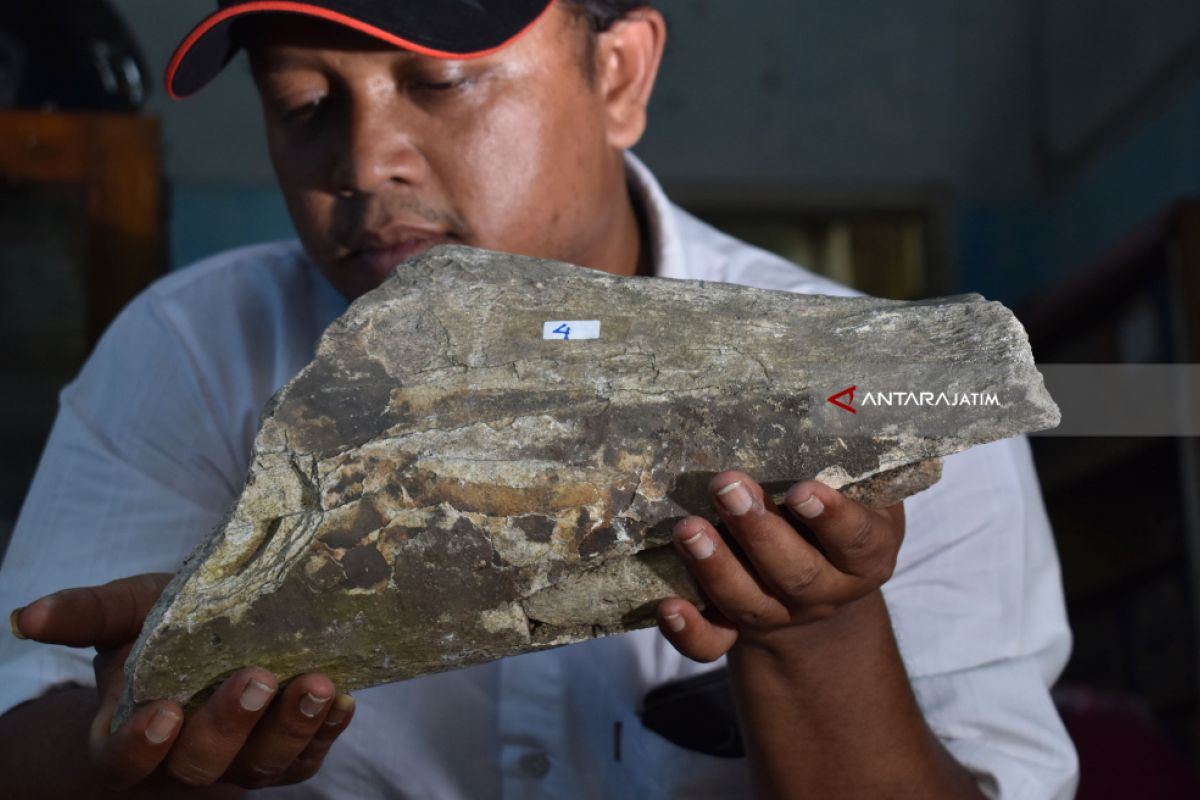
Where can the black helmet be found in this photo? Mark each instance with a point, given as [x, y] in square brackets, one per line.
[69, 55]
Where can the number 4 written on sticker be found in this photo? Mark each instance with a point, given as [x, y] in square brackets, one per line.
[563, 330]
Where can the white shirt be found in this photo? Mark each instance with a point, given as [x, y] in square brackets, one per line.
[152, 443]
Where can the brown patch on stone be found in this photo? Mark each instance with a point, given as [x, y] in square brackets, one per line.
[365, 567]
[598, 542]
[593, 537]
[336, 406]
[583, 525]
[537, 528]
[398, 534]
[347, 487]
[326, 574]
[353, 525]
[465, 587]
[498, 500]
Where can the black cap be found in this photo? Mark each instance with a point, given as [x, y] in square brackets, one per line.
[441, 28]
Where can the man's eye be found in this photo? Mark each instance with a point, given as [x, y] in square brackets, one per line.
[435, 86]
[299, 112]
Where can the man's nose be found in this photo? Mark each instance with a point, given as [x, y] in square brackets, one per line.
[379, 149]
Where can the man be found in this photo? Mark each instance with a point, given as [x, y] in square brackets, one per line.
[395, 126]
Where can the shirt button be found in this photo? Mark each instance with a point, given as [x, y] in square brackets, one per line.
[535, 765]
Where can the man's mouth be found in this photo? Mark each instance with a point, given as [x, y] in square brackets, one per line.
[381, 255]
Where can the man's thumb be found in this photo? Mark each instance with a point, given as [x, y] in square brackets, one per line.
[92, 616]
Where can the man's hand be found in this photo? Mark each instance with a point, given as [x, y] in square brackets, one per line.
[248, 733]
[783, 579]
[825, 705]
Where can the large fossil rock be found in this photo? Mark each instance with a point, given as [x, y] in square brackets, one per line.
[488, 453]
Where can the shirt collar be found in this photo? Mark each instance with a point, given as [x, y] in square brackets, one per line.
[666, 246]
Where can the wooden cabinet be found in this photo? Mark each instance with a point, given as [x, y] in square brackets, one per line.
[112, 162]
[82, 230]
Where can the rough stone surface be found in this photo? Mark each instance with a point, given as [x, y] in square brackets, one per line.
[443, 485]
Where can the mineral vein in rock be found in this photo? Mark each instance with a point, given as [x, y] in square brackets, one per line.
[450, 482]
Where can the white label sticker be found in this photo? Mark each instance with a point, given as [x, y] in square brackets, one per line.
[571, 329]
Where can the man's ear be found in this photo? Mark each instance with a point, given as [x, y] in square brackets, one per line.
[627, 59]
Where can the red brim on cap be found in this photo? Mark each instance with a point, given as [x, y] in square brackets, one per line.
[210, 46]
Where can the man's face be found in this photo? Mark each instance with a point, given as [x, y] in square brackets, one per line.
[382, 153]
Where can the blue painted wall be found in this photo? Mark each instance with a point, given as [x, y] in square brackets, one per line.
[206, 219]
[1010, 250]
[1128, 184]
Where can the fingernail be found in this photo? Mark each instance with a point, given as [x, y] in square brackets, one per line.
[311, 705]
[161, 726]
[735, 499]
[810, 507]
[12, 623]
[699, 546]
[675, 622]
[256, 695]
[341, 707]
